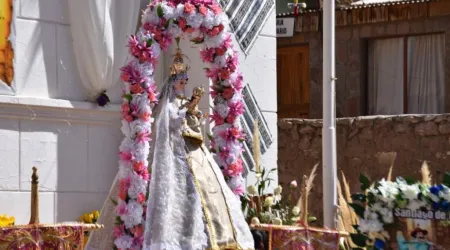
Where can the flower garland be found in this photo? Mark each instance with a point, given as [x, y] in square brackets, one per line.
[376, 206]
[203, 22]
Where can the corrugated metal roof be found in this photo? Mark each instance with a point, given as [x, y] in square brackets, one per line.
[358, 5]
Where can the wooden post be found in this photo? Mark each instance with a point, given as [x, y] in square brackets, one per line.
[34, 218]
[304, 208]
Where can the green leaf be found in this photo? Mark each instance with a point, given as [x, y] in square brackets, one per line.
[129, 97]
[359, 239]
[359, 197]
[159, 11]
[409, 180]
[149, 42]
[359, 210]
[365, 182]
[113, 201]
[446, 179]
[168, 23]
[210, 137]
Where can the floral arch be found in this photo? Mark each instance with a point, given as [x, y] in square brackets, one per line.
[202, 22]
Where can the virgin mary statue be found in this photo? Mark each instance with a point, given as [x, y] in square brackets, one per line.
[190, 206]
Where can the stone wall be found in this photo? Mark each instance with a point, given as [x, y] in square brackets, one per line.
[365, 145]
[351, 59]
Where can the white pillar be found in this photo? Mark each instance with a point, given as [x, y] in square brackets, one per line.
[329, 117]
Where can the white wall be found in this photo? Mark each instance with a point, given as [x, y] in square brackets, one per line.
[74, 144]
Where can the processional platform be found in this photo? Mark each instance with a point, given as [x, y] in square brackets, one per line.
[37, 236]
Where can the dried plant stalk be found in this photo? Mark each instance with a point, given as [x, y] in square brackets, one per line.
[426, 174]
[256, 147]
[348, 196]
[347, 217]
[308, 185]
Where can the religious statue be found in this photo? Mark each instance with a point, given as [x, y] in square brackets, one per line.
[190, 206]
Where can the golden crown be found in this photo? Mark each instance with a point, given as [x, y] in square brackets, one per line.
[178, 66]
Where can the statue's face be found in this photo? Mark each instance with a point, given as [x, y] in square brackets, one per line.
[180, 85]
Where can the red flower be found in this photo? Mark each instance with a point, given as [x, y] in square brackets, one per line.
[138, 166]
[138, 231]
[224, 73]
[189, 8]
[217, 119]
[136, 88]
[231, 119]
[221, 51]
[228, 93]
[214, 31]
[182, 23]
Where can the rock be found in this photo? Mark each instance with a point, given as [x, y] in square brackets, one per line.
[363, 122]
[283, 124]
[426, 129]
[444, 128]
[307, 130]
[412, 119]
[428, 118]
[439, 118]
[401, 127]
[305, 142]
[366, 134]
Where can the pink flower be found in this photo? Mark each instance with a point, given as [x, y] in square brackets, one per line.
[217, 119]
[216, 8]
[145, 175]
[189, 8]
[228, 43]
[236, 108]
[293, 184]
[119, 231]
[207, 55]
[126, 156]
[125, 76]
[232, 62]
[121, 209]
[128, 118]
[212, 73]
[228, 93]
[152, 96]
[235, 169]
[238, 190]
[141, 198]
[202, 9]
[190, 30]
[143, 137]
[145, 116]
[125, 108]
[239, 82]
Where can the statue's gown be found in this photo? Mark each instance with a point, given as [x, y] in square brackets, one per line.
[190, 204]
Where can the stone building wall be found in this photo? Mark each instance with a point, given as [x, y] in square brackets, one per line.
[365, 145]
[351, 59]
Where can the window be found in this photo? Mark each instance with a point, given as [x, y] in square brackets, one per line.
[406, 75]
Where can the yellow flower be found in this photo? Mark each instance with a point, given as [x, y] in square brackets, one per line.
[6, 220]
[251, 190]
[268, 202]
[96, 215]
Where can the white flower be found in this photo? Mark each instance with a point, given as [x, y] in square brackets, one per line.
[134, 215]
[251, 190]
[388, 191]
[277, 221]
[179, 10]
[222, 110]
[137, 186]
[124, 242]
[410, 192]
[278, 190]
[415, 205]
[293, 184]
[194, 20]
[209, 19]
[445, 196]
[433, 197]
[295, 210]
[268, 202]
[236, 182]
[168, 11]
[367, 226]
[255, 221]
[377, 207]
[388, 218]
